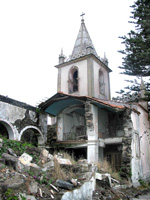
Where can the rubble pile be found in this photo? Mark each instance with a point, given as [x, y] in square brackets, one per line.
[37, 174]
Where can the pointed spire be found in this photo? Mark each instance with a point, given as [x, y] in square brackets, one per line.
[83, 44]
[61, 57]
[105, 60]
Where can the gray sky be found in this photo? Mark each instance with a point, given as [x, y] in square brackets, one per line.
[32, 33]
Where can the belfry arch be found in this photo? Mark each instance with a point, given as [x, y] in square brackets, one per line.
[73, 85]
[6, 129]
[32, 134]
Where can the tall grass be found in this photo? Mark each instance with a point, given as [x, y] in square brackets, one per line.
[106, 168]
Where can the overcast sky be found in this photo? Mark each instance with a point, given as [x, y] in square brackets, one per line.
[33, 32]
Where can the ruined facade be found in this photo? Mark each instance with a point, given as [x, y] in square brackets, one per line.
[89, 122]
[19, 121]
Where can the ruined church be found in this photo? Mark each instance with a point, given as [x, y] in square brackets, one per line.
[92, 125]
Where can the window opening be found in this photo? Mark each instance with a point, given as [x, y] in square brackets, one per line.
[75, 81]
[101, 83]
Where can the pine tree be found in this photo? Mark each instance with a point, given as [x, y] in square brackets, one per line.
[136, 60]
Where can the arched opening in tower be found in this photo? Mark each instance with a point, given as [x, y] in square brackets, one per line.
[75, 81]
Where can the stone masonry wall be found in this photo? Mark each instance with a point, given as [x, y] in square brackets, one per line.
[126, 145]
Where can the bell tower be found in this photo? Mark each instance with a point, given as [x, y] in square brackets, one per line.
[84, 73]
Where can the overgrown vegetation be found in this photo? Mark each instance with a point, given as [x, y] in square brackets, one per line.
[143, 184]
[10, 195]
[17, 146]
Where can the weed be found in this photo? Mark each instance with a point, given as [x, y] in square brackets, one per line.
[70, 157]
[43, 179]
[10, 195]
[58, 173]
[17, 146]
[142, 183]
[22, 197]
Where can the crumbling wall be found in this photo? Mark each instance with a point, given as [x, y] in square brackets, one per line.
[140, 146]
[29, 118]
[89, 116]
[17, 117]
[125, 170]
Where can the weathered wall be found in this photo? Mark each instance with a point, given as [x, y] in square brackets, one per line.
[63, 75]
[140, 146]
[115, 127]
[60, 127]
[97, 93]
[103, 123]
[71, 121]
[88, 78]
[91, 115]
[126, 145]
[17, 117]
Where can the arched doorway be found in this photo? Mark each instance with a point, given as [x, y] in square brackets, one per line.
[6, 130]
[33, 135]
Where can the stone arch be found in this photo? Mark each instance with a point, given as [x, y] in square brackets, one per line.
[73, 77]
[35, 135]
[101, 82]
[9, 128]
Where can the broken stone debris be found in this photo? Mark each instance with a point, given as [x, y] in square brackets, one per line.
[62, 161]
[25, 159]
[10, 160]
[44, 156]
[83, 187]
[11, 152]
[64, 184]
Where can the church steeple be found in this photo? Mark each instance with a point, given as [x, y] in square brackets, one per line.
[83, 44]
[84, 73]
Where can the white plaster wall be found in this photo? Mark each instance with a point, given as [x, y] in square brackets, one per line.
[93, 132]
[136, 161]
[60, 127]
[8, 115]
[141, 163]
[82, 75]
[72, 121]
[10, 112]
[97, 67]
[144, 142]
[103, 123]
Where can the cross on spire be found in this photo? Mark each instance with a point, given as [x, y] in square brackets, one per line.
[82, 15]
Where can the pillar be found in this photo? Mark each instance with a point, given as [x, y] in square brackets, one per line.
[91, 116]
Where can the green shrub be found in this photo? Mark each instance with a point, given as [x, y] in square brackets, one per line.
[16, 146]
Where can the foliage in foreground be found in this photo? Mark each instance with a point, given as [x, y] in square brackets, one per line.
[17, 146]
